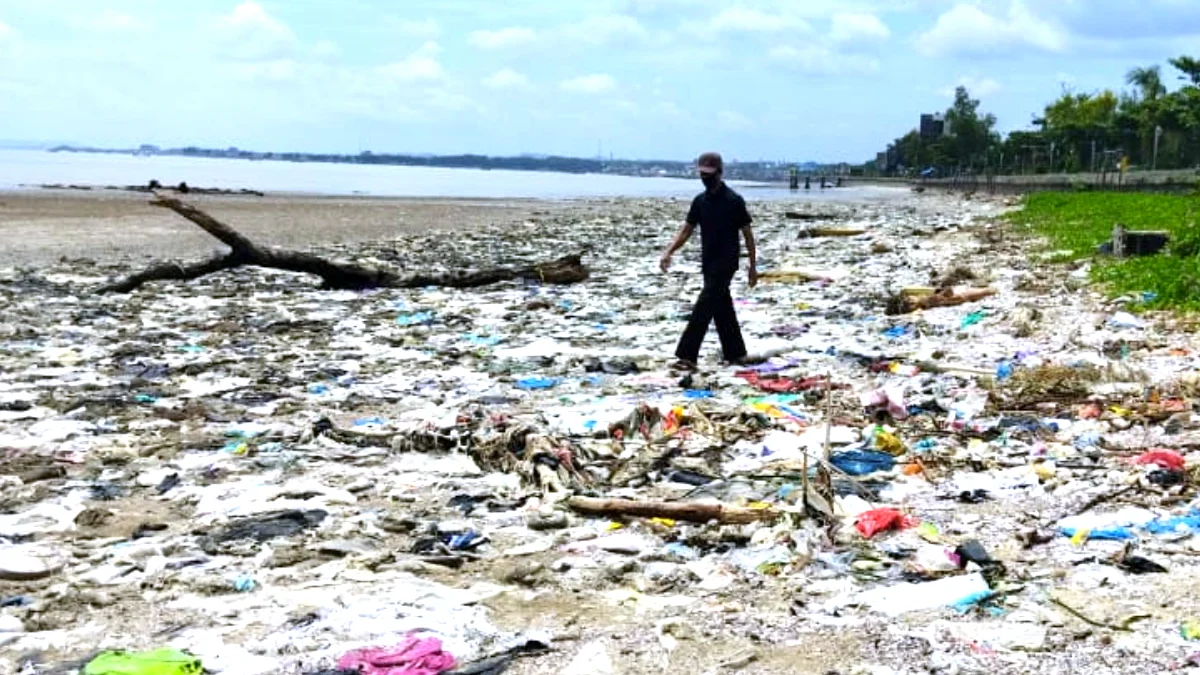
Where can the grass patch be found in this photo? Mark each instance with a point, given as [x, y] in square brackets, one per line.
[1074, 224]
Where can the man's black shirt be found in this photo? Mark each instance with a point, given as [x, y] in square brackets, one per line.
[721, 216]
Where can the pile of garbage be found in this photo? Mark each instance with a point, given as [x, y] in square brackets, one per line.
[945, 458]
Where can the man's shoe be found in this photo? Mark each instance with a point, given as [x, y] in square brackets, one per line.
[683, 365]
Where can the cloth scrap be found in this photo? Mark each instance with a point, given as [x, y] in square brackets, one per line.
[414, 656]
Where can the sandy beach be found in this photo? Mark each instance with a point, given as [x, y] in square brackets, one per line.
[41, 226]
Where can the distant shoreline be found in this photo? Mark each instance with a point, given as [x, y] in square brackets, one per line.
[766, 172]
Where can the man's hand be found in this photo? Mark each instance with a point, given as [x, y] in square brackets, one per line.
[753, 276]
[664, 263]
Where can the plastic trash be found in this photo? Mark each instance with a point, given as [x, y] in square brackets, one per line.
[1176, 524]
[905, 598]
[888, 442]
[862, 462]
[414, 656]
[156, 662]
[1004, 371]
[415, 319]
[880, 520]
[973, 318]
[536, 383]
[1125, 320]
[1167, 459]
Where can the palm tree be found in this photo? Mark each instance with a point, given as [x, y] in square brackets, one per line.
[1148, 80]
[1189, 67]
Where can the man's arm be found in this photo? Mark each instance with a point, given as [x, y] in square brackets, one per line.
[751, 253]
[677, 243]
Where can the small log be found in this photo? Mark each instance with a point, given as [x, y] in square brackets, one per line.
[334, 275]
[831, 232]
[687, 511]
[792, 276]
[907, 302]
[796, 215]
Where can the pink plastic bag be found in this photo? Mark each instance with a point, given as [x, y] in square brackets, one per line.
[414, 656]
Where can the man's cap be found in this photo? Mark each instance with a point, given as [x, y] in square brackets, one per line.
[710, 162]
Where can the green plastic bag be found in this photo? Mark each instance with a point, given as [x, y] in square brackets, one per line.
[155, 662]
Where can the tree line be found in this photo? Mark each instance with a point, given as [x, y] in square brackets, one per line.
[1147, 127]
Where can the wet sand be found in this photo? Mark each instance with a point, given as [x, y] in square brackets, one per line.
[41, 226]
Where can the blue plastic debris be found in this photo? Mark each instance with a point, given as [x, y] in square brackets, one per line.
[1004, 371]
[968, 603]
[367, 421]
[415, 318]
[318, 389]
[862, 462]
[537, 383]
[467, 540]
[245, 584]
[145, 398]
[1174, 524]
[484, 340]
[697, 393]
[1104, 533]
[896, 332]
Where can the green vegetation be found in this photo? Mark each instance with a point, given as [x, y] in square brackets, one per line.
[1149, 125]
[1076, 223]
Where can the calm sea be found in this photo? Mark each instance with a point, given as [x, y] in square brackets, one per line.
[27, 168]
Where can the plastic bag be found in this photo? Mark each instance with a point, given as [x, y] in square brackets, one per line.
[1167, 459]
[880, 520]
[155, 662]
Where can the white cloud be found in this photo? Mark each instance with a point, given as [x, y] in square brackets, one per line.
[499, 39]
[854, 27]
[967, 30]
[249, 33]
[734, 120]
[424, 28]
[506, 79]
[109, 20]
[279, 70]
[6, 31]
[605, 28]
[817, 59]
[325, 48]
[589, 84]
[979, 87]
[751, 20]
[419, 67]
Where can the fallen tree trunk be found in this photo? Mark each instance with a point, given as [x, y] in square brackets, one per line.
[691, 512]
[334, 275]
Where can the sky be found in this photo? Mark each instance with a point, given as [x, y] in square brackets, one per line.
[828, 80]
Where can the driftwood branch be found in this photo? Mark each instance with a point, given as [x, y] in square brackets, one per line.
[687, 511]
[906, 301]
[334, 275]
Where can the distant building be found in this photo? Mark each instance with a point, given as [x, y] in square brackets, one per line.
[933, 125]
[881, 161]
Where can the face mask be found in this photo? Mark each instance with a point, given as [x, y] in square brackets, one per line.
[710, 180]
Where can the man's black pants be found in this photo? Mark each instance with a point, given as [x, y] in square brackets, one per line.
[714, 304]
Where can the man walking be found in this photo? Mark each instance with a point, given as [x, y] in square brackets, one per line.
[721, 215]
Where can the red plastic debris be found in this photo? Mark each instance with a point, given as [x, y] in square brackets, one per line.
[872, 522]
[1167, 459]
[781, 385]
